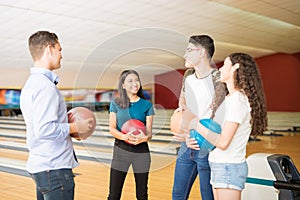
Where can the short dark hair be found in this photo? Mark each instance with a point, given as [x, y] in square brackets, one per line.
[38, 41]
[204, 41]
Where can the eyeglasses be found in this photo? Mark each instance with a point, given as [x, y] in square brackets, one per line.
[191, 49]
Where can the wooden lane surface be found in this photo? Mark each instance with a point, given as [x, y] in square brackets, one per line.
[288, 144]
[93, 178]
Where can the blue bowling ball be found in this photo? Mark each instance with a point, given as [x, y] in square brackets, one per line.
[202, 142]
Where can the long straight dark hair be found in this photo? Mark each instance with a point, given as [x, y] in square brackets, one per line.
[123, 100]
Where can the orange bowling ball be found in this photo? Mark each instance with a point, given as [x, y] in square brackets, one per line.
[81, 113]
[177, 122]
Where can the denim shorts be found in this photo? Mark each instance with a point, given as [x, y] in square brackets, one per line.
[228, 175]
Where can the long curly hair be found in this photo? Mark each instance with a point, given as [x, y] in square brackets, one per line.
[219, 87]
[247, 79]
[220, 92]
[123, 100]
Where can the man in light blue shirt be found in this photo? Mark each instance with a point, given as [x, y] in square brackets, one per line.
[51, 154]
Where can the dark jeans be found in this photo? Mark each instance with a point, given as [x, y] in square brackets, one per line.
[122, 159]
[54, 184]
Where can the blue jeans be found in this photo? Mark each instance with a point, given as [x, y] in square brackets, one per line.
[54, 184]
[189, 164]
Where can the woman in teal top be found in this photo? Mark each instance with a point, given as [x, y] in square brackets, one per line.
[130, 149]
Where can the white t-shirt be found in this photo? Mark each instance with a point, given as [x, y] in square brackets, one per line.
[237, 109]
[199, 94]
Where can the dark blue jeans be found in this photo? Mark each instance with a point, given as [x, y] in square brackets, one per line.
[189, 164]
[54, 184]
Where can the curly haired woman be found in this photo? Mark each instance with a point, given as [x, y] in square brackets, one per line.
[245, 115]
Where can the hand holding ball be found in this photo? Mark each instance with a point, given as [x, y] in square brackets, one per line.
[84, 120]
[134, 127]
[180, 121]
[202, 142]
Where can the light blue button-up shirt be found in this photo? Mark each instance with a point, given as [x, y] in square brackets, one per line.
[45, 114]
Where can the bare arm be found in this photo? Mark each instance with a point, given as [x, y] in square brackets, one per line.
[113, 128]
[149, 122]
[182, 101]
